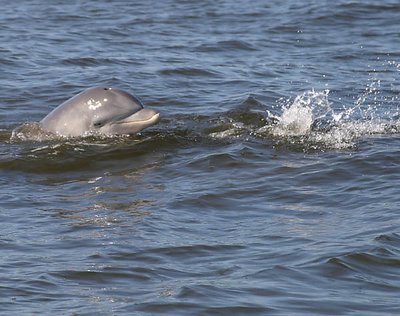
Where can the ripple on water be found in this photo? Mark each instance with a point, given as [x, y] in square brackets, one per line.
[270, 185]
[225, 46]
[188, 72]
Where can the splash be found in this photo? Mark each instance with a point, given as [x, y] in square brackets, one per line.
[31, 131]
[312, 121]
[298, 117]
[34, 132]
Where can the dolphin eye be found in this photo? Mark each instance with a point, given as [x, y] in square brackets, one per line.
[98, 124]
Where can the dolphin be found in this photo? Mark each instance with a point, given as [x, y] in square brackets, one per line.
[99, 111]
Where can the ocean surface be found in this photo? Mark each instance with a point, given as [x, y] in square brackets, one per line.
[270, 186]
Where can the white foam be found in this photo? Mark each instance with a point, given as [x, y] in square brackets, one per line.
[345, 127]
[297, 117]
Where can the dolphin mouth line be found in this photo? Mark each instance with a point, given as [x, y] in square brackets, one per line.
[136, 119]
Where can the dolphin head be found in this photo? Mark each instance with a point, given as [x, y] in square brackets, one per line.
[100, 110]
[117, 112]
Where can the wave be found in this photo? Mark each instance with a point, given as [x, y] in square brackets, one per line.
[228, 45]
[307, 122]
[95, 61]
[311, 121]
[188, 72]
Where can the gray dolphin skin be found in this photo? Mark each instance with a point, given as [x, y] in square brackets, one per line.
[99, 111]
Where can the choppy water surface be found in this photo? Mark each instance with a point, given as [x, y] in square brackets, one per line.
[269, 187]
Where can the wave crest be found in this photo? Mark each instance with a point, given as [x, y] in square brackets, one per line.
[311, 121]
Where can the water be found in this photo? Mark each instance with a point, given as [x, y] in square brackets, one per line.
[269, 187]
